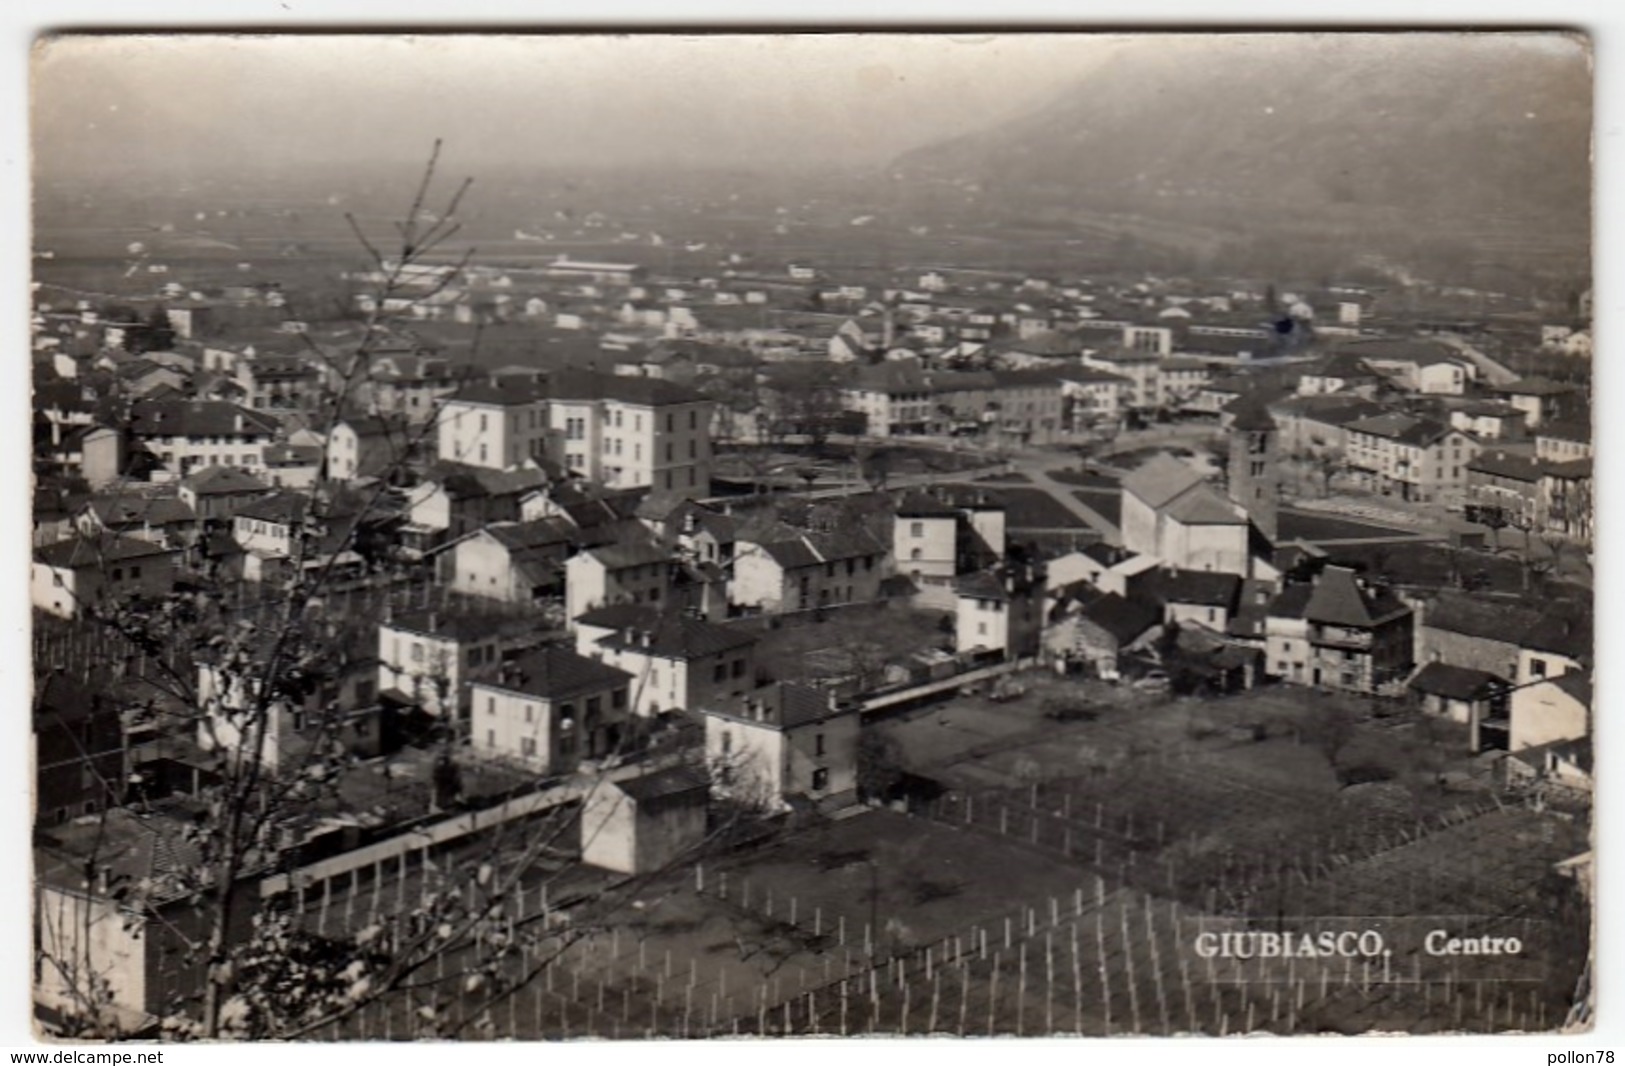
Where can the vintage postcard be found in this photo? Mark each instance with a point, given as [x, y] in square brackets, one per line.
[842, 534]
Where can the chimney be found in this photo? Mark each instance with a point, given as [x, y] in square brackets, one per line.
[834, 700]
[237, 422]
[434, 621]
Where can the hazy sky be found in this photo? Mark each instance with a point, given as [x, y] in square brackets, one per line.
[732, 100]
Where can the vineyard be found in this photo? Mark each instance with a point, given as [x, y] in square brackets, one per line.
[889, 924]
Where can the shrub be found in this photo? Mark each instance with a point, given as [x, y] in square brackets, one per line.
[1363, 774]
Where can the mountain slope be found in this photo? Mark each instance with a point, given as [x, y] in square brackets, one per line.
[1428, 127]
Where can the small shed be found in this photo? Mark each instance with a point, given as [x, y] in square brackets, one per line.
[639, 824]
[1460, 694]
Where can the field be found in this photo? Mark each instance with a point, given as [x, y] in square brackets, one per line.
[1062, 890]
[1303, 525]
[1108, 503]
[1034, 509]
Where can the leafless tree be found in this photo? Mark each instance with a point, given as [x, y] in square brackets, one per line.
[265, 974]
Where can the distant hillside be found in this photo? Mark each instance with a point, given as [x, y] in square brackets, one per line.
[1398, 131]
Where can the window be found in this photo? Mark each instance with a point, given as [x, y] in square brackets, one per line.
[981, 629]
[671, 423]
[818, 744]
[1537, 667]
[490, 738]
[820, 779]
[916, 529]
[720, 672]
[118, 573]
[529, 712]
[693, 450]
[417, 652]
[482, 423]
[727, 742]
[739, 668]
[527, 746]
[693, 421]
[491, 706]
[617, 699]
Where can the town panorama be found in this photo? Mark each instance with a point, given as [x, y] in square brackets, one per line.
[1124, 569]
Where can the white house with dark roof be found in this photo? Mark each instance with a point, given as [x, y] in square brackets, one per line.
[1287, 652]
[1564, 440]
[70, 575]
[1458, 693]
[1488, 420]
[216, 493]
[982, 607]
[678, 662]
[1339, 371]
[367, 446]
[269, 525]
[1540, 399]
[511, 562]
[428, 661]
[550, 709]
[1204, 598]
[1418, 459]
[158, 516]
[783, 742]
[1137, 367]
[187, 434]
[634, 572]
[796, 570]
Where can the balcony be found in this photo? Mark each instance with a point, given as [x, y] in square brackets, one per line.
[1340, 637]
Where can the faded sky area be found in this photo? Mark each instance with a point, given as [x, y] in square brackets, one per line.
[148, 104]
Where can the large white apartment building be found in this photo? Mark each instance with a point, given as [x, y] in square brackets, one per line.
[627, 432]
[497, 426]
[620, 431]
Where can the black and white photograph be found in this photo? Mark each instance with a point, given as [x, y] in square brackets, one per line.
[678, 535]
